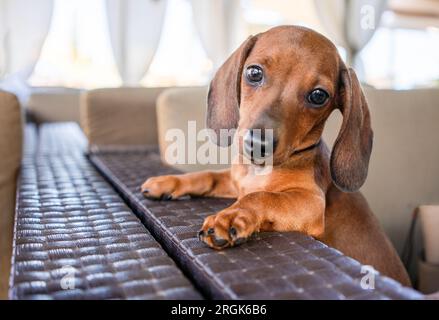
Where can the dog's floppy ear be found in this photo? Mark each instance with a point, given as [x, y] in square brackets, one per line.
[225, 91]
[351, 152]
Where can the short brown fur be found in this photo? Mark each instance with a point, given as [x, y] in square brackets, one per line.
[309, 190]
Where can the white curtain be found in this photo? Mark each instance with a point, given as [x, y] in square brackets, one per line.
[135, 27]
[350, 23]
[24, 25]
[220, 26]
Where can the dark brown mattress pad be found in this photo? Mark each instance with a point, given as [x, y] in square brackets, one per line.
[88, 221]
[270, 266]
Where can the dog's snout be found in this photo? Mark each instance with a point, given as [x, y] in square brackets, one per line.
[259, 143]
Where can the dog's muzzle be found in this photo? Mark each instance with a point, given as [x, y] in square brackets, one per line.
[259, 145]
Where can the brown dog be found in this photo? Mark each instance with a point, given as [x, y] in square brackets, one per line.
[290, 79]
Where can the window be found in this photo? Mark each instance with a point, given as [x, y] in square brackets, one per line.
[403, 53]
[415, 64]
[180, 59]
[402, 58]
[77, 51]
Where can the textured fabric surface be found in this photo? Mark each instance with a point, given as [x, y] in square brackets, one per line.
[175, 109]
[53, 105]
[10, 158]
[120, 116]
[74, 236]
[270, 266]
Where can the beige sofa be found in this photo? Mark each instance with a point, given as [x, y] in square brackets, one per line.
[120, 116]
[11, 151]
[53, 104]
[175, 108]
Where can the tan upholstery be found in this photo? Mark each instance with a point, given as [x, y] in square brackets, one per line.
[404, 170]
[120, 116]
[53, 105]
[429, 220]
[10, 150]
[175, 108]
[428, 277]
[428, 262]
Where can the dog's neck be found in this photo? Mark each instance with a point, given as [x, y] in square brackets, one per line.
[308, 148]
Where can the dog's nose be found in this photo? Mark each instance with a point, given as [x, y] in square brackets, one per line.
[259, 144]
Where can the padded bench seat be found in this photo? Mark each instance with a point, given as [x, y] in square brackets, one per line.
[271, 266]
[71, 223]
[75, 238]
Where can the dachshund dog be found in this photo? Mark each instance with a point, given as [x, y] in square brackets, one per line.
[289, 79]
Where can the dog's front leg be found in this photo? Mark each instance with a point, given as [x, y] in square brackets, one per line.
[298, 210]
[204, 183]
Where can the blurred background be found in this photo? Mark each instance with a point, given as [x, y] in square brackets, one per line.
[85, 44]
[63, 56]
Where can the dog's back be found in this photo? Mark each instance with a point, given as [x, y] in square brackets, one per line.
[352, 228]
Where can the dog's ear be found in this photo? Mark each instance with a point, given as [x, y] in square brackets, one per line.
[225, 93]
[351, 152]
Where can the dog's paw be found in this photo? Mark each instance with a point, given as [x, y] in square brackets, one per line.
[162, 188]
[228, 228]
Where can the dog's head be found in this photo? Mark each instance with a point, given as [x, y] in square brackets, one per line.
[290, 79]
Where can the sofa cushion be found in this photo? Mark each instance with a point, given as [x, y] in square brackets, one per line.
[175, 108]
[120, 116]
[11, 150]
[53, 105]
[428, 280]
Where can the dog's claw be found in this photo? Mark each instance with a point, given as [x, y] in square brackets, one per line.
[219, 242]
[233, 233]
[166, 197]
[228, 228]
[162, 188]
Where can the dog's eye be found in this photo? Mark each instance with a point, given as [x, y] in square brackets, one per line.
[254, 74]
[318, 97]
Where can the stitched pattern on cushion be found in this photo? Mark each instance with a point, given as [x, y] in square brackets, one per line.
[270, 266]
[70, 221]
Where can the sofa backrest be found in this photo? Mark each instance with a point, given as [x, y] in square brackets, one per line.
[11, 135]
[53, 104]
[175, 108]
[120, 116]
